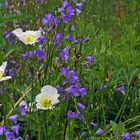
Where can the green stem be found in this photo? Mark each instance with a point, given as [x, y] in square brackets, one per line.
[119, 113]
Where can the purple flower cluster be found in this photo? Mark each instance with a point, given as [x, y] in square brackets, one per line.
[40, 54]
[79, 7]
[74, 115]
[9, 38]
[66, 11]
[13, 132]
[75, 89]
[50, 21]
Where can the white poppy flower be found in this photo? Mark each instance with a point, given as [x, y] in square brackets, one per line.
[2, 69]
[47, 98]
[28, 37]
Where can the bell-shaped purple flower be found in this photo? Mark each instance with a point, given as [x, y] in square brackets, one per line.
[77, 41]
[125, 136]
[93, 124]
[120, 89]
[2, 130]
[80, 106]
[41, 40]
[9, 135]
[99, 132]
[13, 118]
[69, 38]
[15, 128]
[71, 115]
[22, 109]
[138, 134]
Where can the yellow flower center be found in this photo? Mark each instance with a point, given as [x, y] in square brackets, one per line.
[28, 38]
[45, 102]
[1, 75]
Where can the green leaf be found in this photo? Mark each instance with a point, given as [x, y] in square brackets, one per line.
[117, 129]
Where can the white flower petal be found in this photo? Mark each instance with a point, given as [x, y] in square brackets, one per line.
[5, 78]
[38, 97]
[49, 90]
[3, 67]
[55, 101]
[18, 32]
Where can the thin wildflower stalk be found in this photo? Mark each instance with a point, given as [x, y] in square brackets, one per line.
[132, 119]
[17, 103]
[82, 116]
[121, 109]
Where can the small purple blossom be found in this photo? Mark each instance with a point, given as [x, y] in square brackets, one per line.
[93, 124]
[57, 39]
[76, 90]
[80, 106]
[67, 13]
[138, 134]
[79, 5]
[79, 116]
[125, 136]
[71, 115]
[78, 11]
[22, 109]
[11, 72]
[9, 135]
[120, 89]
[13, 118]
[15, 128]
[5, 35]
[41, 40]
[40, 55]
[29, 75]
[64, 71]
[2, 130]
[89, 59]
[77, 41]
[99, 132]
[86, 40]
[64, 4]
[69, 38]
